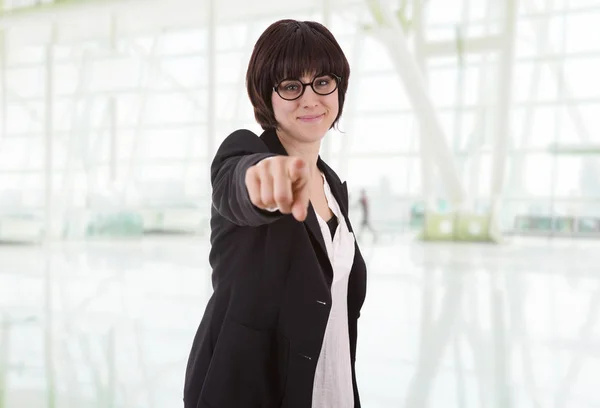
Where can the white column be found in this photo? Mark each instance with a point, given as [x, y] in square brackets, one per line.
[48, 158]
[459, 128]
[460, 94]
[211, 110]
[427, 167]
[113, 154]
[133, 170]
[49, 334]
[503, 116]
[212, 79]
[112, 108]
[350, 109]
[541, 27]
[557, 124]
[3, 83]
[480, 128]
[392, 36]
[326, 145]
[4, 359]
[48, 219]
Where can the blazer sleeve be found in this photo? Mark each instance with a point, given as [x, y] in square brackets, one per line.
[238, 152]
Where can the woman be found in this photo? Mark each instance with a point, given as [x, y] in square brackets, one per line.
[289, 281]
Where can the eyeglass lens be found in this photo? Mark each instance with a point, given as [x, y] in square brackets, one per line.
[292, 89]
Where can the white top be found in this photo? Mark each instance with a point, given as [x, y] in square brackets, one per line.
[333, 377]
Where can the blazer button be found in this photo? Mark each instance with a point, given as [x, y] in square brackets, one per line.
[321, 302]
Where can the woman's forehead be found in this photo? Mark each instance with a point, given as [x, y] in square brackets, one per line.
[308, 75]
[306, 64]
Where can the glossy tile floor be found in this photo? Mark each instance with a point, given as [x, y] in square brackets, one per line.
[444, 325]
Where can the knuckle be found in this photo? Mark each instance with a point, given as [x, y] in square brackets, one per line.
[265, 173]
[269, 162]
[267, 195]
[255, 200]
[282, 198]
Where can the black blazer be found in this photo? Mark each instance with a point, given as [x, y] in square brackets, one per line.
[262, 331]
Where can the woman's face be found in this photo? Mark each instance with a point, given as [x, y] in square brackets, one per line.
[308, 118]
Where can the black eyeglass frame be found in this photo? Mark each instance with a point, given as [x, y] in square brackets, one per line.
[338, 79]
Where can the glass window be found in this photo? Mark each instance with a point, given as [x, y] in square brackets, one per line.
[234, 36]
[26, 82]
[232, 67]
[67, 77]
[372, 56]
[13, 153]
[232, 103]
[569, 177]
[25, 117]
[382, 133]
[442, 86]
[537, 171]
[24, 53]
[535, 81]
[538, 131]
[470, 131]
[583, 31]
[390, 175]
[590, 117]
[173, 108]
[378, 93]
[441, 12]
[579, 74]
[167, 143]
[114, 74]
[180, 73]
[186, 41]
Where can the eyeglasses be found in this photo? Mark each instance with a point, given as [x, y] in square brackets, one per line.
[292, 89]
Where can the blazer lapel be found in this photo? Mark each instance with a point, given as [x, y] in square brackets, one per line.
[312, 225]
[344, 204]
[342, 197]
[339, 190]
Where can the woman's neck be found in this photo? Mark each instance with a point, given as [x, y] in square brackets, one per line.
[309, 152]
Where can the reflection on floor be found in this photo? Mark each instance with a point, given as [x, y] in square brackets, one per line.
[444, 325]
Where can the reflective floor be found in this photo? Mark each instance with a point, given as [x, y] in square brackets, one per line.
[109, 324]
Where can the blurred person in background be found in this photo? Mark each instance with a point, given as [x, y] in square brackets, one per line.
[289, 280]
[366, 222]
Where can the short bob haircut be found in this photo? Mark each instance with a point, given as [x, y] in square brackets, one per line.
[290, 49]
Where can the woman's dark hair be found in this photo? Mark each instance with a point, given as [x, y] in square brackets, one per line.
[291, 49]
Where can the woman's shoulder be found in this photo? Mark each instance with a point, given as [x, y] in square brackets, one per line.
[243, 136]
[242, 141]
